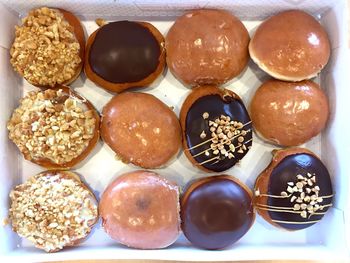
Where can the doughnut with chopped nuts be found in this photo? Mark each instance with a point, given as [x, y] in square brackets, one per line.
[53, 209]
[216, 128]
[49, 47]
[54, 128]
[294, 191]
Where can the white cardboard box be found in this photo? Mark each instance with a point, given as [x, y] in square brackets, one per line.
[326, 240]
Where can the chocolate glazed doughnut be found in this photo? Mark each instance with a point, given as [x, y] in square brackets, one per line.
[294, 191]
[216, 211]
[125, 54]
[216, 128]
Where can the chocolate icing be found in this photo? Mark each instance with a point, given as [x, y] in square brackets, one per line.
[124, 52]
[217, 213]
[195, 124]
[285, 172]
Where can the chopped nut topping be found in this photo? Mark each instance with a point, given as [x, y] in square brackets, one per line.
[223, 133]
[51, 125]
[306, 202]
[45, 50]
[40, 210]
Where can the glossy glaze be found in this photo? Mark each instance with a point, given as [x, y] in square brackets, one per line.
[216, 212]
[291, 44]
[141, 129]
[124, 52]
[288, 113]
[141, 209]
[286, 172]
[207, 47]
[215, 106]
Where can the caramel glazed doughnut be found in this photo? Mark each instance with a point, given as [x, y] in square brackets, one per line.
[216, 128]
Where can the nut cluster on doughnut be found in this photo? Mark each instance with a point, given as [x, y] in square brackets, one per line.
[49, 47]
[124, 54]
[54, 128]
[290, 46]
[294, 191]
[216, 128]
[140, 209]
[53, 209]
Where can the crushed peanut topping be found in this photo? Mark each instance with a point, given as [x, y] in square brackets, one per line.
[51, 125]
[52, 211]
[224, 132]
[45, 50]
[304, 195]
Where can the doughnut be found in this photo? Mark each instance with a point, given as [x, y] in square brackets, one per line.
[141, 129]
[216, 128]
[55, 129]
[53, 209]
[124, 54]
[294, 191]
[48, 49]
[140, 209]
[289, 113]
[290, 46]
[207, 47]
[216, 211]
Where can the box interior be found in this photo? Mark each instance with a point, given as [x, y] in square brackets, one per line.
[327, 239]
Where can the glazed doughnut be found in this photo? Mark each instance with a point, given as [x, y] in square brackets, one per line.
[141, 209]
[290, 46]
[216, 211]
[48, 49]
[53, 209]
[207, 47]
[124, 54]
[216, 128]
[141, 129]
[294, 191]
[289, 113]
[55, 129]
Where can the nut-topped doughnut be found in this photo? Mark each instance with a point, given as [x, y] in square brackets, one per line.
[49, 47]
[294, 191]
[207, 47]
[216, 211]
[140, 209]
[124, 54]
[141, 129]
[53, 209]
[54, 128]
[216, 128]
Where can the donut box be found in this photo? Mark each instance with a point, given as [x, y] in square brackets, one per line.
[326, 240]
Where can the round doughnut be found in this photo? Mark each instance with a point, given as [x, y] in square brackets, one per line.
[207, 47]
[53, 209]
[124, 54]
[44, 55]
[140, 209]
[55, 128]
[216, 128]
[289, 113]
[216, 212]
[141, 129]
[294, 191]
[290, 46]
